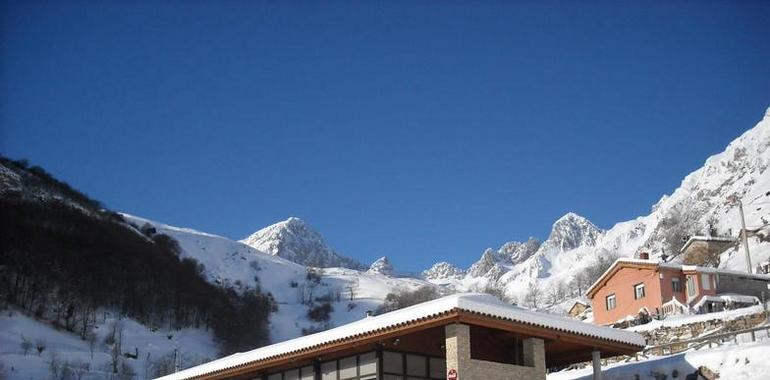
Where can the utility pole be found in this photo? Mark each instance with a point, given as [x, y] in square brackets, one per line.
[745, 238]
[744, 233]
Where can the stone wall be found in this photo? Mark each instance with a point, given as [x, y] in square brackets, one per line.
[665, 335]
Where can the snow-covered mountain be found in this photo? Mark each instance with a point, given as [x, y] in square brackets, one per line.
[442, 271]
[381, 266]
[295, 241]
[698, 206]
[237, 264]
[277, 259]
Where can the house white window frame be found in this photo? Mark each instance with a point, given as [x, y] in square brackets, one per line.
[610, 305]
[639, 292]
[692, 290]
[705, 280]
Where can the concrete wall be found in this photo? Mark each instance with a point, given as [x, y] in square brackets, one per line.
[458, 357]
[742, 285]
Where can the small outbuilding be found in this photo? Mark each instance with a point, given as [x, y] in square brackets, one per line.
[463, 336]
[579, 308]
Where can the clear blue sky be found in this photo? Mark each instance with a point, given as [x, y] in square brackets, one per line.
[424, 131]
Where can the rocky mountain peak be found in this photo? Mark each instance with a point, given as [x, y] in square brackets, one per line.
[441, 271]
[516, 252]
[295, 240]
[485, 264]
[572, 231]
[381, 266]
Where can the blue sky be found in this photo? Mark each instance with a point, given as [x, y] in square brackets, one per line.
[423, 131]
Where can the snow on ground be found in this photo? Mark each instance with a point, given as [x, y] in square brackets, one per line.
[679, 320]
[195, 346]
[734, 362]
[228, 262]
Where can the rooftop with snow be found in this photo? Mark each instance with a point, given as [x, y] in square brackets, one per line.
[564, 340]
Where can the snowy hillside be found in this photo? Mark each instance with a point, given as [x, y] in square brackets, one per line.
[696, 207]
[351, 293]
[295, 241]
[233, 263]
[30, 349]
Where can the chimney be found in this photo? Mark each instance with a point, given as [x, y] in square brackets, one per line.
[644, 255]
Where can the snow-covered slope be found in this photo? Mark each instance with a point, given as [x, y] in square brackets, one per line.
[696, 207]
[239, 265]
[65, 352]
[381, 266]
[295, 241]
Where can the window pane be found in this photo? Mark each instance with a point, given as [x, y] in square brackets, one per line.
[348, 369]
[393, 362]
[275, 376]
[308, 373]
[706, 280]
[367, 364]
[437, 368]
[416, 365]
[329, 371]
[291, 375]
[610, 302]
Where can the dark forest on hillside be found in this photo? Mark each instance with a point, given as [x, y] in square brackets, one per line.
[62, 263]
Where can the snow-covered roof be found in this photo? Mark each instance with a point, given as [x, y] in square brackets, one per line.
[727, 298]
[481, 304]
[711, 239]
[582, 301]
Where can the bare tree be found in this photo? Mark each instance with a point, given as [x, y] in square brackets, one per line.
[26, 344]
[556, 294]
[352, 289]
[80, 369]
[533, 295]
[116, 332]
[91, 338]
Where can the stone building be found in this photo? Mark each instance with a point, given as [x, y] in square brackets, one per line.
[465, 336]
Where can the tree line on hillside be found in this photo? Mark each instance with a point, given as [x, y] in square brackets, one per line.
[60, 264]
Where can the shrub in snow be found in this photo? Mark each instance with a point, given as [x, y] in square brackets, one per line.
[321, 312]
[26, 344]
[40, 346]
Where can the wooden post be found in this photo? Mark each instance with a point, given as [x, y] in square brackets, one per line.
[596, 359]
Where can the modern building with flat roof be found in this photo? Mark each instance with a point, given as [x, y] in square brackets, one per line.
[462, 336]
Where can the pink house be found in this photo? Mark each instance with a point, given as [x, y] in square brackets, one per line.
[633, 288]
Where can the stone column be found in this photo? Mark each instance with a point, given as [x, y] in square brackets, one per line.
[534, 353]
[596, 358]
[458, 348]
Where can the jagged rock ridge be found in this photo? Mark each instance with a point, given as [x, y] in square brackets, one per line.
[381, 266]
[294, 240]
